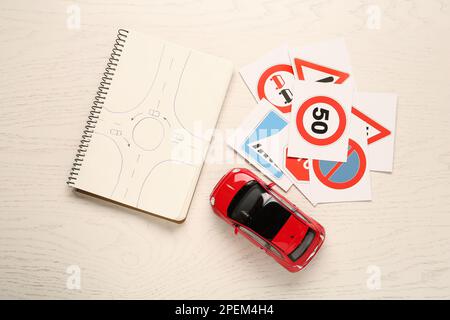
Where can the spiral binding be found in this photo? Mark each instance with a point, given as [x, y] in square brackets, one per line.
[98, 104]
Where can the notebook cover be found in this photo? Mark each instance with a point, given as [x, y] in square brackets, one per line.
[151, 124]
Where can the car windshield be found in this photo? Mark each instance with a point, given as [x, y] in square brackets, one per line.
[255, 208]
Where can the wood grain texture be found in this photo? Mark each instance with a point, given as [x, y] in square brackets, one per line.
[49, 74]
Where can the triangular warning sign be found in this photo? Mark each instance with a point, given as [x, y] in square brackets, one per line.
[334, 76]
[382, 131]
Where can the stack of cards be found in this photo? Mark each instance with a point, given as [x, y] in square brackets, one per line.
[311, 128]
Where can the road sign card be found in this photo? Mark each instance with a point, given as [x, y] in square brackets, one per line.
[262, 122]
[378, 111]
[334, 181]
[327, 62]
[296, 169]
[276, 147]
[319, 121]
[270, 78]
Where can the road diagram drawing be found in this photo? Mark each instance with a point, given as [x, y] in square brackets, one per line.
[155, 126]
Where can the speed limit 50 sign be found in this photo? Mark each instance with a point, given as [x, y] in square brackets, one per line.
[319, 119]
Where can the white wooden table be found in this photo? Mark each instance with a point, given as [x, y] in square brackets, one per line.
[49, 71]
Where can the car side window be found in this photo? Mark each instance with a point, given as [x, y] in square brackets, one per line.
[274, 250]
[260, 241]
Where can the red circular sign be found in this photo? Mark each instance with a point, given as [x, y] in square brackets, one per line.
[336, 106]
[352, 174]
[262, 82]
[298, 167]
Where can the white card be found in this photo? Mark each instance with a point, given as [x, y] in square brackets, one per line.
[378, 111]
[270, 78]
[263, 121]
[332, 181]
[276, 147]
[327, 61]
[296, 169]
[319, 121]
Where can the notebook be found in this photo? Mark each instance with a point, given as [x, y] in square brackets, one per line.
[150, 125]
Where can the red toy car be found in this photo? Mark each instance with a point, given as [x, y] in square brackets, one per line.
[267, 219]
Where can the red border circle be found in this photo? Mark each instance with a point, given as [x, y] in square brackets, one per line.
[354, 147]
[334, 104]
[262, 81]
